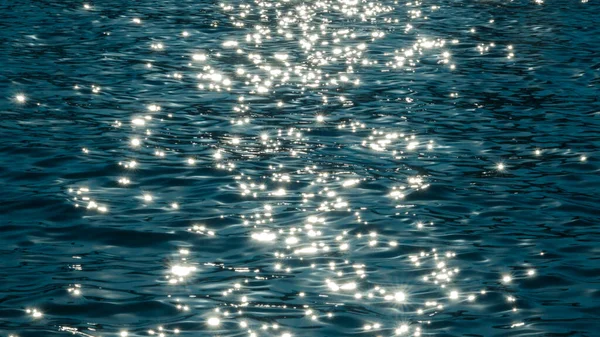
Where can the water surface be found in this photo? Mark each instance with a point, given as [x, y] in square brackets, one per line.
[299, 168]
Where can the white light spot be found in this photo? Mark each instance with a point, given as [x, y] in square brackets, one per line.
[402, 329]
[182, 271]
[264, 236]
[214, 321]
[20, 98]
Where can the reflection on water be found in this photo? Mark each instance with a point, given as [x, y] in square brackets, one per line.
[298, 168]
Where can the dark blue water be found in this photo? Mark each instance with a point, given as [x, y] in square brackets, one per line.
[299, 168]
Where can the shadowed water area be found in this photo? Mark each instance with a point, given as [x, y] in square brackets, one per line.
[299, 168]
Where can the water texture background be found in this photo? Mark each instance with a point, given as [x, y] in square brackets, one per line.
[299, 168]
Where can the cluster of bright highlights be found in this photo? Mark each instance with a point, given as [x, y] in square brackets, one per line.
[81, 197]
[35, 313]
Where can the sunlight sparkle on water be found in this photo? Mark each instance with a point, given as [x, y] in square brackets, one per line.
[180, 270]
[35, 313]
[454, 295]
[214, 321]
[20, 98]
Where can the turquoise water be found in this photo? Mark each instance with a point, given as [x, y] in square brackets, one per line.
[299, 168]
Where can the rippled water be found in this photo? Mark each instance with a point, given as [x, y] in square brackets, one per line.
[300, 168]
